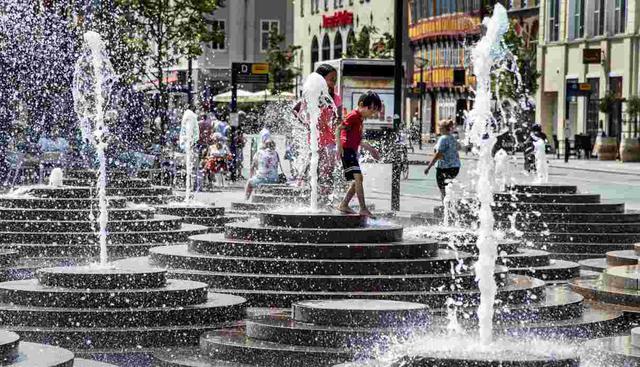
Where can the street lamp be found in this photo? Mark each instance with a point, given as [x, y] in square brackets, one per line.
[420, 62]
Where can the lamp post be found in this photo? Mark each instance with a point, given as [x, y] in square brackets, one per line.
[420, 62]
[397, 104]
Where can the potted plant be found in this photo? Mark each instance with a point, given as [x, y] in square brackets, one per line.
[606, 102]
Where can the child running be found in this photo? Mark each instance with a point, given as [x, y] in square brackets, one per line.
[349, 141]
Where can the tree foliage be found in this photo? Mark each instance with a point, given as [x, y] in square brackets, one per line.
[282, 71]
[525, 58]
[360, 48]
[364, 46]
[173, 29]
[38, 47]
[125, 39]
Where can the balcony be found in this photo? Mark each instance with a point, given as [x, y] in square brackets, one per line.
[454, 25]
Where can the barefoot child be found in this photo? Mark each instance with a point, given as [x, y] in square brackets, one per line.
[349, 140]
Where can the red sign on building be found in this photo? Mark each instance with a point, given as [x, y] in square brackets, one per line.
[339, 19]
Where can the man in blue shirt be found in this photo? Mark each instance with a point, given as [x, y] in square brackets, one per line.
[446, 159]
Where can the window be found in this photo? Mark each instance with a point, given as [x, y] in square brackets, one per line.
[592, 107]
[326, 48]
[413, 8]
[554, 22]
[351, 39]
[314, 53]
[265, 27]
[337, 46]
[620, 14]
[578, 19]
[598, 17]
[218, 25]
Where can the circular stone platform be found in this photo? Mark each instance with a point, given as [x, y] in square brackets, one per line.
[614, 351]
[466, 351]
[56, 226]
[97, 277]
[360, 313]
[88, 309]
[14, 353]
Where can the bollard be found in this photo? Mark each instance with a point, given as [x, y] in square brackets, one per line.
[567, 147]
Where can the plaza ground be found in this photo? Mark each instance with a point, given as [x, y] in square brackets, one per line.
[613, 180]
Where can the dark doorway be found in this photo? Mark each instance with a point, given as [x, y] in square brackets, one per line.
[615, 114]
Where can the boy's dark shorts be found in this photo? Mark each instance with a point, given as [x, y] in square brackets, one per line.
[445, 174]
[350, 164]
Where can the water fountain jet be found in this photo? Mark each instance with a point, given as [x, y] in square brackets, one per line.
[93, 79]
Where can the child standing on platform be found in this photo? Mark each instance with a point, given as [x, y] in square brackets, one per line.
[349, 141]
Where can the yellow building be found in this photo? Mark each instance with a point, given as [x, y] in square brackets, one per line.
[324, 28]
[440, 32]
[586, 49]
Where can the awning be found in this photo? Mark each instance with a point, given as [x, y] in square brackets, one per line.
[243, 96]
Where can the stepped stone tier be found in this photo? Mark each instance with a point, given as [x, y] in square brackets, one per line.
[558, 219]
[50, 226]
[615, 351]
[284, 197]
[618, 279]
[201, 214]
[269, 197]
[292, 257]
[16, 353]
[570, 225]
[513, 254]
[314, 333]
[120, 183]
[327, 332]
[110, 313]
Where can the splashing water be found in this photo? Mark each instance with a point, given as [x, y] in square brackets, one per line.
[189, 132]
[501, 169]
[315, 95]
[485, 55]
[56, 177]
[93, 79]
[542, 166]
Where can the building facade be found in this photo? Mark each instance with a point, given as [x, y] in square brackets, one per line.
[325, 28]
[246, 25]
[588, 50]
[441, 32]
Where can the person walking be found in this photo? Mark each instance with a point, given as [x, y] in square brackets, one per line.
[446, 158]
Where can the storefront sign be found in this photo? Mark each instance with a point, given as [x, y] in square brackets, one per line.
[578, 89]
[591, 56]
[339, 19]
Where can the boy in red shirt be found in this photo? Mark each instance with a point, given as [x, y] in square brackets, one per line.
[349, 141]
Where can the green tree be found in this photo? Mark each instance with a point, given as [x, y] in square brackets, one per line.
[384, 48]
[525, 58]
[282, 71]
[361, 46]
[127, 46]
[172, 29]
